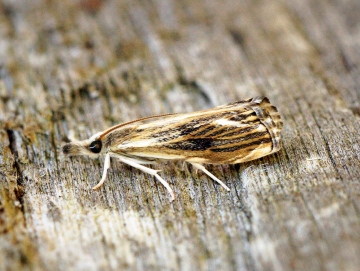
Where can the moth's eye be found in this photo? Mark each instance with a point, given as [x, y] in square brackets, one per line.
[95, 146]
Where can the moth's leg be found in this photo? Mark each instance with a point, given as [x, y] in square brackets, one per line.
[106, 167]
[132, 162]
[201, 167]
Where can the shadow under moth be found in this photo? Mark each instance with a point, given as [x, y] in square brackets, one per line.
[227, 134]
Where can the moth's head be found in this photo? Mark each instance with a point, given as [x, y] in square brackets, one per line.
[92, 147]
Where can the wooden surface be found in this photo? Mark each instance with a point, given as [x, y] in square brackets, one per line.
[86, 65]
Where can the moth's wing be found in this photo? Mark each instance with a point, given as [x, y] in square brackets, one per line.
[232, 133]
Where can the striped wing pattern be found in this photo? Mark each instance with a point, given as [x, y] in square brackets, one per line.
[229, 134]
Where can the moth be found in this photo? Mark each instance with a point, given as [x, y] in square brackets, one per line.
[227, 134]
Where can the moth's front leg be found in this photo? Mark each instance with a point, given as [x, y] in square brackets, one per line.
[106, 167]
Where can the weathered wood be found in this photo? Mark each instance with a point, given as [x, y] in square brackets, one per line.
[88, 65]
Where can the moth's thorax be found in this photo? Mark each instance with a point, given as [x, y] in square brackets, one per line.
[116, 137]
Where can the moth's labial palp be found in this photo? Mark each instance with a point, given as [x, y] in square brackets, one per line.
[66, 148]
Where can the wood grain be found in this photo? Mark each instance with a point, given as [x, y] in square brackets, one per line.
[87, 65]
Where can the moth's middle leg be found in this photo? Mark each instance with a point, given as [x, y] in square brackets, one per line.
[137, 164]
[201, 167]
